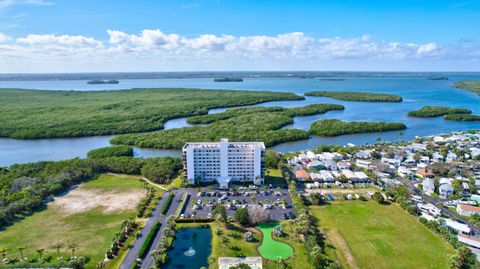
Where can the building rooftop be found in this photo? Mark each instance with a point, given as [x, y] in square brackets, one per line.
[230, 144]
[475, 209]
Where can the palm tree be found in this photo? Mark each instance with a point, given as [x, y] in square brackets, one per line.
[3, 252]
[40, 253]
[72, 246]
[57, 246]
[21, 249]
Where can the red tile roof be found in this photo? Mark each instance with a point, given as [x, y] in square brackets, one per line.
[469, 237]
[475, 209]
[302, 174]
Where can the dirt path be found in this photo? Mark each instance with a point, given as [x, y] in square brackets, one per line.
[337, 239]
[148, 181]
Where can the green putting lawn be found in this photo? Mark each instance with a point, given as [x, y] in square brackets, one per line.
[271, 249]
[371, 235]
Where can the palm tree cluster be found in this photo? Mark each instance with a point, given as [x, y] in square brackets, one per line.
[58, 246]
[159, 254]
[128, 227]
[143, 204]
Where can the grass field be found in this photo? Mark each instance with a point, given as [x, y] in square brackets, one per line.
[370, 235]
[89, 215]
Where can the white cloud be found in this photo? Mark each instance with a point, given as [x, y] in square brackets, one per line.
[8, 3]
[428, 48]
[152, 49]
[62, 40]
[4, 38]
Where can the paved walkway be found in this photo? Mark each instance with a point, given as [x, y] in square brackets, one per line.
[156, 217]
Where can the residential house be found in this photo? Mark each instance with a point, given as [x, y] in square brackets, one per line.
[429, 209]
[404, 172]
[394, 162]
[474, 152]
[302, 175]
[425, 160]
[362, 177]
[364, 154]
[467, 210]
[409, 162]
[457, 226]
[363, 163]
[469, 240]
[438, 139]
[311, 155]
[424, 173]
[451, 157]
[330, 164]
[428, 186]
[445, 190]
[437, 157]
[415, 147]
[326, 176]
[350, 175]
[315, 165]
[343, 165]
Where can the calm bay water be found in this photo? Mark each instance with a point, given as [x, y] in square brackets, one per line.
[416, 92]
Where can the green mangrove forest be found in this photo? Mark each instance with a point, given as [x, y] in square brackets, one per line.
[357, 96]
[238, 124]
[333, 127]
[462, 117]
[470, 85]
[437, 111]
[113, 151]
[31, 114]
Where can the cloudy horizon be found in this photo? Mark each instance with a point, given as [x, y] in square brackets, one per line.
[115, 49]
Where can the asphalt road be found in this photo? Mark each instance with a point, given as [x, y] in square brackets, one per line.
[435, 201]
[156, 216]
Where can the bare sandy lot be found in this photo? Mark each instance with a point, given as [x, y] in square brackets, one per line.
[82, 200]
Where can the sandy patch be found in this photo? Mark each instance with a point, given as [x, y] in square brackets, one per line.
[80, 200]
[338, 240]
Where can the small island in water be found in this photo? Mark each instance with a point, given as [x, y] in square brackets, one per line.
[357, 96]
[437, 78]
[453, 114]
[112, 81]
[332, 79]
[228, 79]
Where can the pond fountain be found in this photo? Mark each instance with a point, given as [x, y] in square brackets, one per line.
[190, 252]
[191, 249]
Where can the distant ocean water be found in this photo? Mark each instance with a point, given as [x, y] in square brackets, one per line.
[417, 91]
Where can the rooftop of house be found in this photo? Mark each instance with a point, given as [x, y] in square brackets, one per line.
[470, 208]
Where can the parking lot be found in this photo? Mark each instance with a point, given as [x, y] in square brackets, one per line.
[276, 202]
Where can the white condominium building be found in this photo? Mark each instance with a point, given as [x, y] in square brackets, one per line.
[224, 162]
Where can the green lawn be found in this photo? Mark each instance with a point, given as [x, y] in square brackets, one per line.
[92, 229]
[274, 177]
[370, 235]
[270, 248]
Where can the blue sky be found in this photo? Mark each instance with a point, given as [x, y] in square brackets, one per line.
[238, 35]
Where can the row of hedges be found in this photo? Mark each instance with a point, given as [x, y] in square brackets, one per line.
[196, 220]
[168, 203]
[148, 241]
[183, 204]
